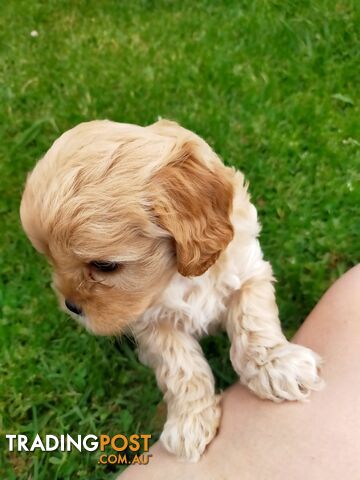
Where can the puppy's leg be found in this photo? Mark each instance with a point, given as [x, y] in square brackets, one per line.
[266, 362]
[183, 374]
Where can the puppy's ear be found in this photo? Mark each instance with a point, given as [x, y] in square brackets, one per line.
[193, 203]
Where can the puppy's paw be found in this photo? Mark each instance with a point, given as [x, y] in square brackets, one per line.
[285, 372]
[187, 434]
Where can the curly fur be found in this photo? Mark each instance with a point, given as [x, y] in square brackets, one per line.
[160, 202]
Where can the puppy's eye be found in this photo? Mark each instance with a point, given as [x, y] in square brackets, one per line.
[103, 266]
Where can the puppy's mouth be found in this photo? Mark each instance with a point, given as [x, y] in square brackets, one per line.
[95, 322]
[80, 318]
[94, 327]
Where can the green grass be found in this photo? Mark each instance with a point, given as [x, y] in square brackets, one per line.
[270, 84]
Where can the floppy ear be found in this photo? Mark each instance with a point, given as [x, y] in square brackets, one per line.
[193, 203]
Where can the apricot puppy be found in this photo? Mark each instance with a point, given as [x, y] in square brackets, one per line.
[148, 232]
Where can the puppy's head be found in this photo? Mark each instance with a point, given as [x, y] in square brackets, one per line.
[118, 209]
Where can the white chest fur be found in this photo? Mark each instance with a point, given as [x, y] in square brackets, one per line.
[199, 303]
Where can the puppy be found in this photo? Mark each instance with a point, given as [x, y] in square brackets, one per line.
[148, 232]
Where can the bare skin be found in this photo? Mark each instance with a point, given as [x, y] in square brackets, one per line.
[261, 440]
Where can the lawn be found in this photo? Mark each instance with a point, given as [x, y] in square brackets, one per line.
[271, 85]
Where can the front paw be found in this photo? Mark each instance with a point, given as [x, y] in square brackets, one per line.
[186, 434]
[285, 372]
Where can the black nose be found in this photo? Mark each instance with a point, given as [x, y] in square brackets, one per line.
[72, 307]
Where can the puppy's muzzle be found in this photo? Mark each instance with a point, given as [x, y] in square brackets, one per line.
[73, 307]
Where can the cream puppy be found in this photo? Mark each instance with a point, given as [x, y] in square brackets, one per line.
[148, 232]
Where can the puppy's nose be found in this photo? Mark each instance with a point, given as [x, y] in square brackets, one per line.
[73, 307]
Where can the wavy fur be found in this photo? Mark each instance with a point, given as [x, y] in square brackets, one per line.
[160, 202]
